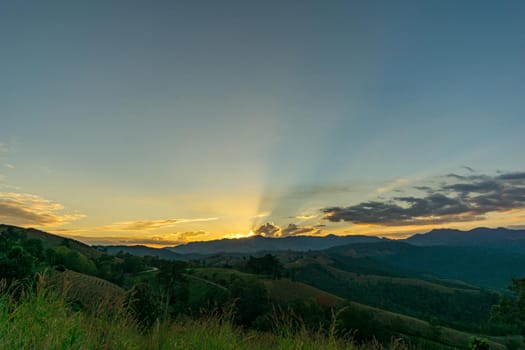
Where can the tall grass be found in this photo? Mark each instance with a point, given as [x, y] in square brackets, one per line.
[42, 319]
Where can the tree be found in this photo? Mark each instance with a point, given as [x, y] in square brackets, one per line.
[17, 264]
[511, 309]
[35, 248]
[251, 300]
[131, 263]
[172, 282]
[479, 344]
[144, 305]
[267, 265]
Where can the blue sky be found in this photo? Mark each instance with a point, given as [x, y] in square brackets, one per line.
[206, 119]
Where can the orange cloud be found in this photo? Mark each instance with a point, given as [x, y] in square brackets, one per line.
[27, 209]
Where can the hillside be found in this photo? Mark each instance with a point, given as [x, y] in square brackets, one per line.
[50, 240]
[417, 331]
[89, 291]
[418, 297]
[364, 319]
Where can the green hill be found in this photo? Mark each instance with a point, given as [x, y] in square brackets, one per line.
[370, 319]
[50, 240]
[449, 303]
[84, 290]
[286, 290]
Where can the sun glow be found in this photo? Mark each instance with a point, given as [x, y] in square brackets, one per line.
[241, 235]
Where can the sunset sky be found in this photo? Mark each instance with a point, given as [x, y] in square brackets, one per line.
[163, 122]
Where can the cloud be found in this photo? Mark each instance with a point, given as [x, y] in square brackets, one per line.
[467, 198]
[424, 188]
[27, 209]
[270, 229]
[304, 216]
[9, 166]
[475, 187]
[294, 230]
[136, 225]
[146, 225]
[393, 185]
[512, 176]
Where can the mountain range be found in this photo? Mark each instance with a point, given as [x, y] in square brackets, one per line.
[498, 238]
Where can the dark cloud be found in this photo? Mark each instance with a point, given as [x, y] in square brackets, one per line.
[477, 187]
[294, 230]
[468, 198]
[512, 176]
[456, 176]
[270, 229]
[471, 177]
[424, 188]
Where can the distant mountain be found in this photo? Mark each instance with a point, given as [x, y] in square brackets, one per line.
[259, 244]
[140, 250]
[498, 238]
[477, 265]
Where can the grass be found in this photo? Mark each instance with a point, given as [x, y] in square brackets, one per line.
[42, 319]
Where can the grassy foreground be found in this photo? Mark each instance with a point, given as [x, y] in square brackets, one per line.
[42, 319]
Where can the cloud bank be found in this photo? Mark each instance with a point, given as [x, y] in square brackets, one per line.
[30, 210]
[146, 225]
[457, 198]
[270, 229]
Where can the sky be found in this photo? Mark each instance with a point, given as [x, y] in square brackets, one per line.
[165, 122]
